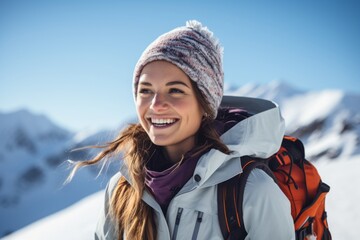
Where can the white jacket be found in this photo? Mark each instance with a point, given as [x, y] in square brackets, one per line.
[266, 210]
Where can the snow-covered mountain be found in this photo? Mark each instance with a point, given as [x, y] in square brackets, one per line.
[33, 168]
[327, 121]
[31, 173]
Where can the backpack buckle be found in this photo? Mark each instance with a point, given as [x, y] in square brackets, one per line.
[306, 233]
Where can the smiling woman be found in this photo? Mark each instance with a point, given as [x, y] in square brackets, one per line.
[184, 146]
[167, 108]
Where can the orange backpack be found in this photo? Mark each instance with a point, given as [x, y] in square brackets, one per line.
[298, 179]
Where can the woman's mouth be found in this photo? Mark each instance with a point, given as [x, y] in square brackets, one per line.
[162, 122]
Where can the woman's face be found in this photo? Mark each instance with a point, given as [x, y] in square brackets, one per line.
[167, 107]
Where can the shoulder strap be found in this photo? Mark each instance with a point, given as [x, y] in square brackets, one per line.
[230, 199]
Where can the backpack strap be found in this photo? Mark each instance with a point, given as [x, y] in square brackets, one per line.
[230, 199]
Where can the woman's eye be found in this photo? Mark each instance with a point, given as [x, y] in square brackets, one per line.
[144, 91]
[176, 90]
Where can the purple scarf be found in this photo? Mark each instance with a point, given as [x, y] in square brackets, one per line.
[164, 183]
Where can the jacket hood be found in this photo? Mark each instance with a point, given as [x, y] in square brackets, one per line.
[260, 135]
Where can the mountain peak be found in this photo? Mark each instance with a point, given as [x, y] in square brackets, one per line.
[276, 90]
[281, 85]
[30, 124]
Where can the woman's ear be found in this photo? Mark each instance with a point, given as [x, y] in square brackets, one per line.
[205, 115]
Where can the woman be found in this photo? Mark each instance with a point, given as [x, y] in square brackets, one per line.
[184, 146]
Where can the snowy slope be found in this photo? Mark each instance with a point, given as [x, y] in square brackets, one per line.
[31, 178]
[343, 198]
[75, 222]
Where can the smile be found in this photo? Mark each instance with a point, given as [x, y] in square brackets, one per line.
[162, 122]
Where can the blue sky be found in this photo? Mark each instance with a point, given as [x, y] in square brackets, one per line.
[73, 60]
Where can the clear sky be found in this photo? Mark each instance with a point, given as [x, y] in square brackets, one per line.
[73, 60]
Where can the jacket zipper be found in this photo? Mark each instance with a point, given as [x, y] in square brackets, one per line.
[197, 225]
[177, 222]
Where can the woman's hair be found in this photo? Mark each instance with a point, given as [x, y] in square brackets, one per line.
[131, 215]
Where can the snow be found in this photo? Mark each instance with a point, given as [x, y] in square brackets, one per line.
[316, 105]
[342, 202]
[75, 222]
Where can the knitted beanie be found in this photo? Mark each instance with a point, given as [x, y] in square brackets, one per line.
[195, 50]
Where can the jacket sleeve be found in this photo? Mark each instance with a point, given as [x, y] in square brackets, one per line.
[266, 210]
[105, 229]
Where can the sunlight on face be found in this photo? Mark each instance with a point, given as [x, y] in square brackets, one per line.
[167, 107]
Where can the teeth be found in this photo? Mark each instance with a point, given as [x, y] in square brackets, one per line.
[162, 121]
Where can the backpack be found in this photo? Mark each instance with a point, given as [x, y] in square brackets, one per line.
[297, 178]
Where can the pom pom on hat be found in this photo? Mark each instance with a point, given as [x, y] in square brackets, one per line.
[194, 49]
[206, 32]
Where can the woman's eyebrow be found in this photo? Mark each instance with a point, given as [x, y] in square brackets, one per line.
[145, 83]
[176, 82]
[167, 84]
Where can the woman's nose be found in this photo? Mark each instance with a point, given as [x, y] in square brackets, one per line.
[158, 102]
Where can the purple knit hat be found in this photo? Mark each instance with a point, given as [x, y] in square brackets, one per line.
[195, 50]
